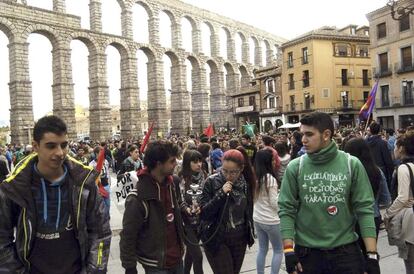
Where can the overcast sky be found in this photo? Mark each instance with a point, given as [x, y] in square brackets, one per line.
[286, 19]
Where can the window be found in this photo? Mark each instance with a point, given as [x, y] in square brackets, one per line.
[408, 95]
[342, 50]
[305, 78]
[344, 77]
[290, 59]
[304, 55]
[345, 99]
[385, 100]
[271, 102]
[406, 58]
[365, 96]
[383, 60]
[240, 102]
[405, 22]
[381, 30]
[325, 93]
[252, 100]
[307, 101]
[292, 103]
[291, 81]
[365, 80]
[363, 51]
[270, 85]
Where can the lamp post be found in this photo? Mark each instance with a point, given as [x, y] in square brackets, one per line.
[398, 11]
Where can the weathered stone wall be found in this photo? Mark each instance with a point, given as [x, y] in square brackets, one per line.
[18, 21]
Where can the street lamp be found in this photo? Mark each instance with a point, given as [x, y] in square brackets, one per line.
[398, 11]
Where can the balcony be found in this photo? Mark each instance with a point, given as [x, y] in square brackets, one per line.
[245, 109]
[382, 72]
[397, 102]
[401, 68]
[346, 105]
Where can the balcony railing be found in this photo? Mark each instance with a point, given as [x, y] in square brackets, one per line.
[384, 72]
[403, 68]
[396, 102]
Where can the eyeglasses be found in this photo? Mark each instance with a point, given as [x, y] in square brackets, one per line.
[230, 172]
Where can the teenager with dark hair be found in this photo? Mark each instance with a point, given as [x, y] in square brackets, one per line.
[380, 152]
[359, 148]
[204, 149]
[132, 162]
[152, 225]
[192, 176]
[228, 196]
[265, 213]
[53, 219]
[322, 194]
[284, 156]
[250, 147]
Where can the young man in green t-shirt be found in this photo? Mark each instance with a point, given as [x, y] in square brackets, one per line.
[323, 194]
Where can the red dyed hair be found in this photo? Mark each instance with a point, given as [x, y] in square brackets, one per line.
[234, 155]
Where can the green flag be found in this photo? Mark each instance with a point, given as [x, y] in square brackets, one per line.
[249, 129]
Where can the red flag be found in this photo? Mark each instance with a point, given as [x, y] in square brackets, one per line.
[100, 160]
[209, 131]
[147, 136]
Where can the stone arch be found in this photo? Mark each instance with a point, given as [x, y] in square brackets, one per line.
[119, 44]
[170, 14]
[213, 65]
[244, 77]
[85, 38]
[255, 40]
[242, 36]
[218, 100]
[123, 4]
[267, 43]
[149, 52]
[212, 30]
[8, 28]
[147, 7]
[195, 62]
[47, 31]
[173, 57]
[191, 20]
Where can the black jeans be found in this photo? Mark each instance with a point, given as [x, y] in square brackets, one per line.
[229, 257]
[346, 259]
[193, 256]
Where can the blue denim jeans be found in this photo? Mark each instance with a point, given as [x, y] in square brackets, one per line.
[346, 259]
[266, 233]
[179, 269]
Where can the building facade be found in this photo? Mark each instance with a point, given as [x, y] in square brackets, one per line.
[269, 80]
[327, 70]
[246, 105]
[392, 50]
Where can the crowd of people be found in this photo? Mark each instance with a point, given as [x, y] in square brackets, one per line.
[315, 194]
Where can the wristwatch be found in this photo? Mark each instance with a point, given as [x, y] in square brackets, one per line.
[372, 255]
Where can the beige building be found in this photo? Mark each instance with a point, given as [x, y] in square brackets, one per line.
[328, 70]
[392, 50]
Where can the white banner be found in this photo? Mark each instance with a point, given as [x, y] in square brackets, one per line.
[125, 183]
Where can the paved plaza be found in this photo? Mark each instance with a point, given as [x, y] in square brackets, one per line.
[390, 263]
